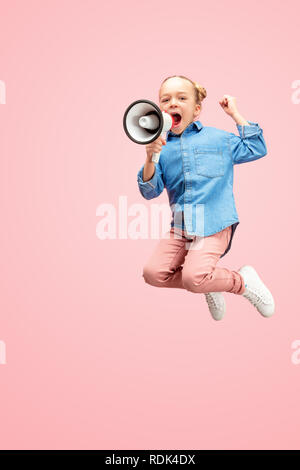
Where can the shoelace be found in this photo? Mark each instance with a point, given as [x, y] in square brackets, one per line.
[210, 300]
[259, 296]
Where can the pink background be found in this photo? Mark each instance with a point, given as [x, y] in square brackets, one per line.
[95, 357]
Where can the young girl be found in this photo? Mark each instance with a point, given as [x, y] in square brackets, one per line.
[196, 167]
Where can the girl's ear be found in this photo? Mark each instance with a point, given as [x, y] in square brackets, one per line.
[198, 110]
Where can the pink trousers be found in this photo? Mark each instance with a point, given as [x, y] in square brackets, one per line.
[189, 262]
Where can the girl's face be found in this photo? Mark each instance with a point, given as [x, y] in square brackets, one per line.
[177, 97]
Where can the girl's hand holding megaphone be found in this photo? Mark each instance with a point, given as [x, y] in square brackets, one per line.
[152, 148]
[155, 147]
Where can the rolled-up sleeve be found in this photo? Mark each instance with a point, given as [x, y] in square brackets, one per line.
[250, 145]
[153, 187]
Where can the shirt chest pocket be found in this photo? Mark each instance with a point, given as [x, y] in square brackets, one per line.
[208, 161]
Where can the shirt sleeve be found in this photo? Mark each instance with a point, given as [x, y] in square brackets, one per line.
[250, 145]
[153, 187]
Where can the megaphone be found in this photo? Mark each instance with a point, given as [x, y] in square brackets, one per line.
[144, 122]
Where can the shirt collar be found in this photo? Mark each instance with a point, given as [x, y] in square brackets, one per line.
[192, 127]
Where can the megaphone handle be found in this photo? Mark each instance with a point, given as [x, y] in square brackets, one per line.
[155, 157]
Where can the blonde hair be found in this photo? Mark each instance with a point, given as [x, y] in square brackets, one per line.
[200, 92]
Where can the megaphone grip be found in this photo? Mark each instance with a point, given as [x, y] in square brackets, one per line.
[155, 157]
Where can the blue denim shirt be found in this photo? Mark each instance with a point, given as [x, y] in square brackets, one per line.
[196, 168]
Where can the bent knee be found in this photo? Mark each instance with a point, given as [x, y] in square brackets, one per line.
[151, 275]
[155, 275]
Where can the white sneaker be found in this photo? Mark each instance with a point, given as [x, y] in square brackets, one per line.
[216, 304]
[256, 292]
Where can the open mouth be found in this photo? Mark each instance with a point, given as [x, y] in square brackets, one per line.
[176, 119]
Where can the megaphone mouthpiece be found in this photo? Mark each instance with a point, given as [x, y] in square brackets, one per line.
[149, 122]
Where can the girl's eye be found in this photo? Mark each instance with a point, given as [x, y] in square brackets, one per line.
[182, 97]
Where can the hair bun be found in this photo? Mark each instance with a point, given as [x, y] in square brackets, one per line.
[201, 90]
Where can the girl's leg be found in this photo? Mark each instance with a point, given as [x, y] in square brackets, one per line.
[164, 267]
[200, 273]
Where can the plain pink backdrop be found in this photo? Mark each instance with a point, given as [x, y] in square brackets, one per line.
[95, 357]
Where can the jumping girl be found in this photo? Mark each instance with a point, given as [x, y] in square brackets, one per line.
[196, 168]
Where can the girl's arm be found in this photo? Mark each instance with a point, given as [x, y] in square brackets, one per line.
[151, 188]
[250, 145]
[238, 118]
